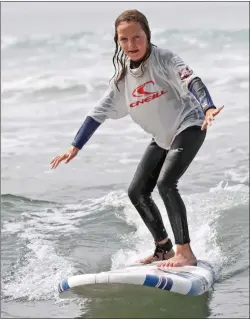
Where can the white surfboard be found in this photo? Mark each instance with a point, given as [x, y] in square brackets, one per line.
[187, 280]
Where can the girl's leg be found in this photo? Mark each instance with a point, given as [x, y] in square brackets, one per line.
[182, 152]
[139, 192]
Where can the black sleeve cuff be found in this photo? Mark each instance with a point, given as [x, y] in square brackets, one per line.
[200, 91]
[87, 129]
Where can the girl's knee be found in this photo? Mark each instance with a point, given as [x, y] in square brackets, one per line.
[164, 186]
[133, 194]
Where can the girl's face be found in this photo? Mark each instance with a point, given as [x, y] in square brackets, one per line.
[132, 39]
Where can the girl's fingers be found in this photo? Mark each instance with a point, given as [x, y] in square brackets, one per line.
[69, 158]
[53, 160]
[66, 156]
[210, 120]
[204, 125]
[54, 164]
[57, 160]
[217, 111]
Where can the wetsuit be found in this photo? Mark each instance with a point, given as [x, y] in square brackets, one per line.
[166, 98]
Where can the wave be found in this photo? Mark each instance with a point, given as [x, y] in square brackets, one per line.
[11, 198]
[69, 86]
[191, 36]
[43, 40]
[48, 86]
[46, 236]
[80, 63]
[204, 213]
[44, 90]
[36, 274]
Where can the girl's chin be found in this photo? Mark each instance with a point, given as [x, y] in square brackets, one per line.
[135, 56]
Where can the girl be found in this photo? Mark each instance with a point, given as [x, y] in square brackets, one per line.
[164, 96]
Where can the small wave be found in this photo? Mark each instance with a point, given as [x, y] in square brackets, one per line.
[46, 92]
[43, 266]
[203, 214]
[36, 274]
[233, 273]
[11, 198]
[38, 278]
[83, 55]
[43, 40]
[41, 84]
[49, 85]
[193, 39]
[191, 36]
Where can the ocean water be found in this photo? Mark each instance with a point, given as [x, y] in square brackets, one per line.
[78, 218]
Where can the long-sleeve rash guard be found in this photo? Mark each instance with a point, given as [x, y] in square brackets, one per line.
[164, 98]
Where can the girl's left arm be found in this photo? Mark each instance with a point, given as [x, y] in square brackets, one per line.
[184, 79]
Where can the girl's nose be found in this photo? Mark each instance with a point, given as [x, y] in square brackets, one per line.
[131, 44]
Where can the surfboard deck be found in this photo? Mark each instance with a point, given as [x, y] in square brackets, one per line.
[187, 280]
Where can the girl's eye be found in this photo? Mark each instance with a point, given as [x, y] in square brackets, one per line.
[123, 39]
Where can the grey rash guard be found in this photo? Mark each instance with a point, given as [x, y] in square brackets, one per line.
[156, 96]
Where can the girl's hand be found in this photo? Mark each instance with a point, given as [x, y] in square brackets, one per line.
[67, 156]
[210, 115]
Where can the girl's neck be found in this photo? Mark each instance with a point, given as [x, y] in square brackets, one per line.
[136, 64]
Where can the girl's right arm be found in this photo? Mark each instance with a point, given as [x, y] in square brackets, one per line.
[112, 105]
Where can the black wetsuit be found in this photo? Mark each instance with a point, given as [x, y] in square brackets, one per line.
[162, 168]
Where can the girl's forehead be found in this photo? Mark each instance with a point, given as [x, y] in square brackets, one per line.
[129, 27]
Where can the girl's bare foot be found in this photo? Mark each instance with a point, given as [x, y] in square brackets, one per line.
[163, 251]
[183, 257]
[160, 256]
[179, 261]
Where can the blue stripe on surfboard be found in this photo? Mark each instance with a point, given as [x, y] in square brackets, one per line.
[153, 281]
[169, 284]
[63, 286]
[163, 282]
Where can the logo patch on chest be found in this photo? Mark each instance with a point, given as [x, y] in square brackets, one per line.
[145, 94]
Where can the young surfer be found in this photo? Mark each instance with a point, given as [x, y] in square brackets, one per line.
[164, 96]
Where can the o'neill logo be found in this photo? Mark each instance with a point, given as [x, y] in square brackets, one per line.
[141, 91]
